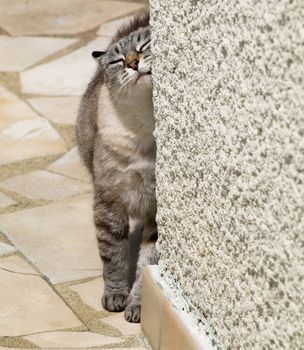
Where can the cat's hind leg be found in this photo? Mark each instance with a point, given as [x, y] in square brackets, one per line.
[147, 256]
[112, 228]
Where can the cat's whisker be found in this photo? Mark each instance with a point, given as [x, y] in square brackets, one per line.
[114, 85]
[118, 83]
[126, 85]
[123, 76]
[118, 90]
[125, 90]
[123, 82]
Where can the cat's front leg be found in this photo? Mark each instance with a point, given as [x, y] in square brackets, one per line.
[147, 256]
[112, 229]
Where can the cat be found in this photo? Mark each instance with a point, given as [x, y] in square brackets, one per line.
[114, 131]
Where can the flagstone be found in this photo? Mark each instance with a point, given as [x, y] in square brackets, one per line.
[58, 238]
[71, 339]
[5, 201]
[118, 321]
[60, 110]
[12, 109]
[16, 264]
[29, 305]
[2, 348]
[121, 348]
[21, 52]
[110, 28]
[34, 17]
[70, 165]
[90, 293]
[6, 249]
[53, 78]
[40, 184]
[23, 134]
[29, 138]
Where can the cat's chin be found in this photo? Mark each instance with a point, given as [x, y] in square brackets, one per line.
[144, 80]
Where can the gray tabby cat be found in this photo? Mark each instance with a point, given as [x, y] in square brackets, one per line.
[115, 139]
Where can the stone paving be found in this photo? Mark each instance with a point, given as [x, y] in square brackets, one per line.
[50, 271]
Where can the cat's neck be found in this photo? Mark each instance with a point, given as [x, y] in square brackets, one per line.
[127, 122]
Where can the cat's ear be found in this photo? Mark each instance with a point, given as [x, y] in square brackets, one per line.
[97, 54]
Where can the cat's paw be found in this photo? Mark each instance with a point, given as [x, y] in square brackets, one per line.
[112, 301]
[132, 313]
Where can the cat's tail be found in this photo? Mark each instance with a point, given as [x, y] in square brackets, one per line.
[86, 124]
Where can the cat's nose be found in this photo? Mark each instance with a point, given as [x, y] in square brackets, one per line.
[133, 64]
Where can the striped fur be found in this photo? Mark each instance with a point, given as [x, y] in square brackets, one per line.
[115, 139]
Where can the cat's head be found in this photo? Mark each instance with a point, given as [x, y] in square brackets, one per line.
[127, 64]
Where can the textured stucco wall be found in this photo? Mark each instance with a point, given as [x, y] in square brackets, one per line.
[229, 105]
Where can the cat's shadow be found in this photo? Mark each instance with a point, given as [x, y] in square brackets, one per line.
[135, 238]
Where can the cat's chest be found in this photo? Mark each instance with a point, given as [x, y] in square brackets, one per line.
[129, 126]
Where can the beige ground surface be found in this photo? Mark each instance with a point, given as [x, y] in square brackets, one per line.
[50, 284]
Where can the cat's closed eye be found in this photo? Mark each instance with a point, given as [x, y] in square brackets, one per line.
[117, 61]
[144, 46]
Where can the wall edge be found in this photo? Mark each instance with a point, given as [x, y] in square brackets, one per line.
[165, 326]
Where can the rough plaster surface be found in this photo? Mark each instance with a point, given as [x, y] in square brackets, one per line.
[229, 107]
